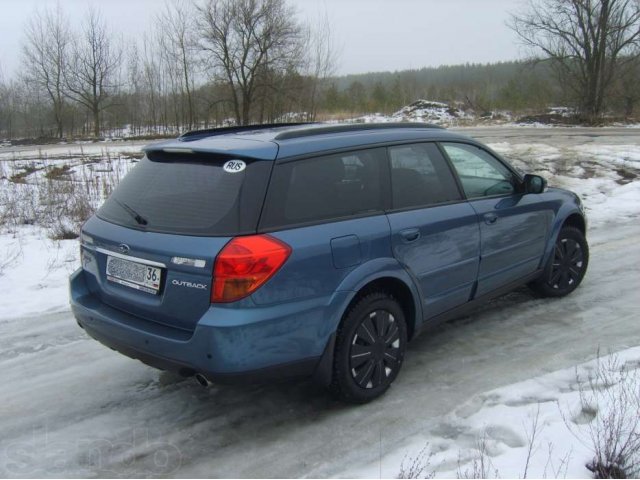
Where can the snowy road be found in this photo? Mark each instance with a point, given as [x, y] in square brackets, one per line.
[70, 407]
[566, 135]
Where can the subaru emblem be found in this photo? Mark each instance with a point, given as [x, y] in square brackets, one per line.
[123, 248]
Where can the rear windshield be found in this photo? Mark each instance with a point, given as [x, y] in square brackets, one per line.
[189, 194]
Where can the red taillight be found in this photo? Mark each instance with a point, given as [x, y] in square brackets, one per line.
[245, 264]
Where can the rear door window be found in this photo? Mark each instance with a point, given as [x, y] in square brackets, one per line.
[420, 177]
[189, 194]
[327, 187]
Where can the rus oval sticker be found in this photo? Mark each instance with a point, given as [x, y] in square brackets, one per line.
[234, 166]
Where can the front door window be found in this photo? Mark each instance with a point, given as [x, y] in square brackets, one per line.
[481, 174]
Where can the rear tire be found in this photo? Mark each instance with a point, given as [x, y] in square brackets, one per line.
[566, 267]
[370, 347]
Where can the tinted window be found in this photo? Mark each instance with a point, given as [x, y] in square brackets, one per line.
[191, 195]
[420, 176]
[326, 187]
[481, 174]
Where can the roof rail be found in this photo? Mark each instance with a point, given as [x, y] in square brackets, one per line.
[210, 132]
[349, 127]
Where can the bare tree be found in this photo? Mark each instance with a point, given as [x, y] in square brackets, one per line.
[322, 59]
[627, 89]
[151, 81]
[178, 41]
[134, 76]
[45, 51]
[91, 75]
[587, 41]
[244, 41]
[5, 111]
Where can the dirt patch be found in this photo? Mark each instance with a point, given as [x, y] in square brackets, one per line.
[550, 119]
[21, 177]
[626, 176]
[589, 171]
[132, 155]
[58, 173]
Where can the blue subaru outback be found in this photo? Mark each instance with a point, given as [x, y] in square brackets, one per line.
[250, 253]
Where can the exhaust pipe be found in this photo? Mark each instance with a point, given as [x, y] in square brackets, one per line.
[202, 380]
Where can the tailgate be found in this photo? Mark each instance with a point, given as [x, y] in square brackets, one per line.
[150, 248]
[156, 276]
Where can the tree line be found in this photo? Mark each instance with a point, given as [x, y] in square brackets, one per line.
[212, 62]
[225, 62]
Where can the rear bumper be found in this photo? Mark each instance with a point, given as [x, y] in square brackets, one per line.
[228, 345]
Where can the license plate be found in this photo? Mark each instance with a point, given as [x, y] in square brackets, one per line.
[134, 275]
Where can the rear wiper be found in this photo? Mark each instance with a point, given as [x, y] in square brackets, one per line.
[136, 216]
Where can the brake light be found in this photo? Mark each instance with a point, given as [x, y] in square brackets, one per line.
[245, 264]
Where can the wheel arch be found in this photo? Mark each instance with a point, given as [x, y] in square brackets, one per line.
[379, 275]
[572, 218]
[397, 289]
[575, 220]
[575, 225]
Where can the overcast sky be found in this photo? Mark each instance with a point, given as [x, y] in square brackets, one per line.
[372, 35]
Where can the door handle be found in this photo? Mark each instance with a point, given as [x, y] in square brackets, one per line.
[410, 234]
[490, 218]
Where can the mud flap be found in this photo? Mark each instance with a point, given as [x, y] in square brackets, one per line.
[324, 371]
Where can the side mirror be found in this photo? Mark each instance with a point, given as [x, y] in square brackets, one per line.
[534, 184]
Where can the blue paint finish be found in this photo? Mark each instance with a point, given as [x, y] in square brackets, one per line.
[310, 270]
[444, 257]
[564, 204]
[346, 251]
[175, 305]
[242, 146]
[249, 339]
[383, 268]
[306, 145]
[225, 341]
[513, 240]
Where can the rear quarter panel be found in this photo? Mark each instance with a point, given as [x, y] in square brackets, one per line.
[323, 255]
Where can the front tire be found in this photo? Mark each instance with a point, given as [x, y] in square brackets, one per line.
[566, 267]
[370, 348]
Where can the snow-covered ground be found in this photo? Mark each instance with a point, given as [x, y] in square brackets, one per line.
[34, 271]
[427, 111]
[71, 407]
[38, 185]
[538, 428]
[457, 114]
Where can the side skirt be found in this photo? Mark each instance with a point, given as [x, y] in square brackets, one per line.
[466, 308]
